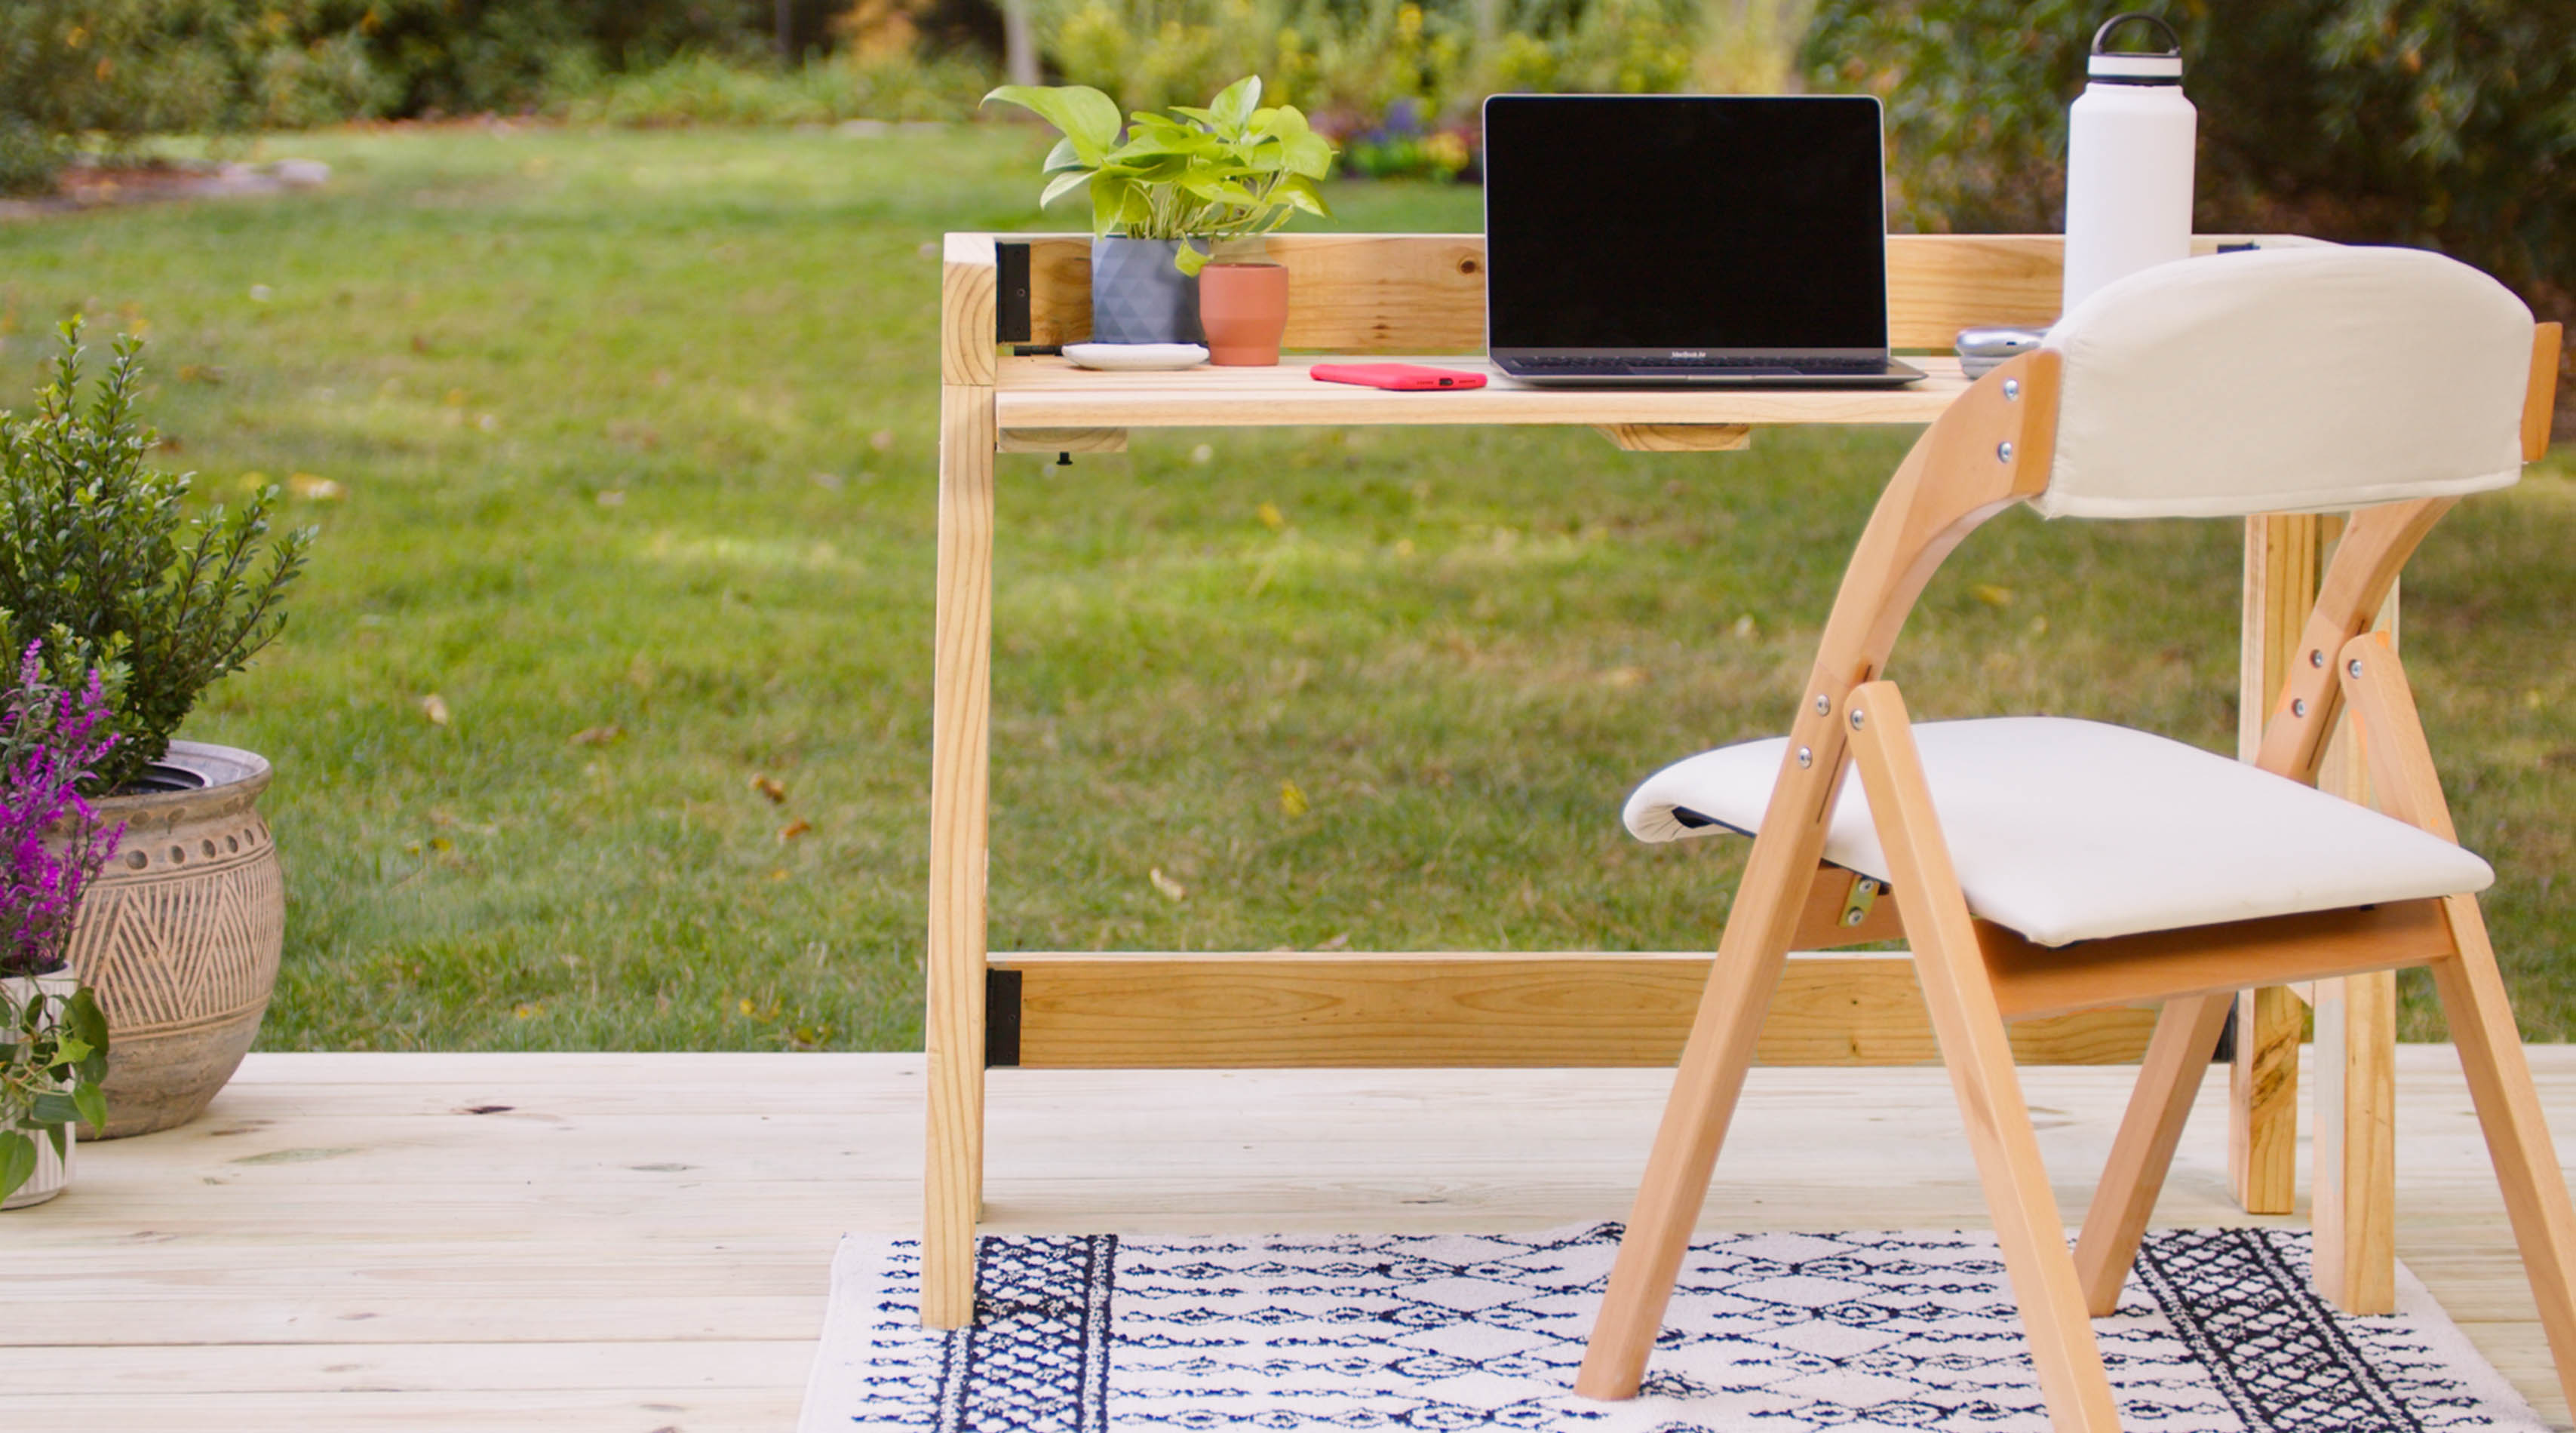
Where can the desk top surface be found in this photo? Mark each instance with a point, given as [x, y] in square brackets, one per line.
[1052, 393]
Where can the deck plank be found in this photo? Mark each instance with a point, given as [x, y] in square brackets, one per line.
[641, 1242]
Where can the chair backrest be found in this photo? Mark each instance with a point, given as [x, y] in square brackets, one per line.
[2294, 380]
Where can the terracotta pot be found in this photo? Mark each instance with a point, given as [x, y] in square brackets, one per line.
[52, 1171]
[1244, 308]
[179, 935]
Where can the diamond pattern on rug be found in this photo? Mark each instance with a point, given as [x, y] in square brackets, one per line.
[2219, 1330]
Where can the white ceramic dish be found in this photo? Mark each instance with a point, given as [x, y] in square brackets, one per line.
[1134, 357]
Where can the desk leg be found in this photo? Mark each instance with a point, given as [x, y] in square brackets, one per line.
[2263, 1087]
[960, 786]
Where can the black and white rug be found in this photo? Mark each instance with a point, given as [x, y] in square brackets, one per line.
[2219, 1330]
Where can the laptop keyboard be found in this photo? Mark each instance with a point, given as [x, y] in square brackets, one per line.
[1621, 367]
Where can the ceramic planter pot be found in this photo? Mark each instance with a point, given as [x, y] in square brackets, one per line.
[1244, 308]
[52, 1171]
[178, 936]
[1137, 296]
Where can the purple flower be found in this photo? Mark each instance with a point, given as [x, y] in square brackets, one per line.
[51, 844]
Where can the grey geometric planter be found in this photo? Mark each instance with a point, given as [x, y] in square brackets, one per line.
[1137, 296]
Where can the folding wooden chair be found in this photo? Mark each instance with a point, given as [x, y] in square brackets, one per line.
[2044, 865]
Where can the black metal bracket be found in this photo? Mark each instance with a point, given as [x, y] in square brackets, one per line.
[1001, 1018]
[1010, 293]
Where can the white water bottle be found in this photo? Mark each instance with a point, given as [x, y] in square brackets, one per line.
[2128, 163]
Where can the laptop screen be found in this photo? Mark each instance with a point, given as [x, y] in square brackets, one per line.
[1684, 222]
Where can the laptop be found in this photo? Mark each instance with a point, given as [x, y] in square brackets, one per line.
[1735, 240]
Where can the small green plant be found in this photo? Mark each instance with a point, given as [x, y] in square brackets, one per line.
[1231, 170]
[53, 1047]
[53, 1058]
[105, 567]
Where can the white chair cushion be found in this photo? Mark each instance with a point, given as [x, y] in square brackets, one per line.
[2069, 830]
[2292, 380]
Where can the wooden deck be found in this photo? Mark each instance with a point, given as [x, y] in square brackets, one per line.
[640, 1242]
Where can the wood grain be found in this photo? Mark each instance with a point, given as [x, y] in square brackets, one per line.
[2355, 1180]
[1962, 1000]
[1678, 437]
[1062, 440]
[1546, 1008]
[967, 282]
[1425, 293]
[1045, 392]
[2281, 561]
[2355, 1189]
[2169, 1078]
[2161, 965]
[440, 1235]
[2540, 400]
[2533, 1180]
[960, 793]
[2390, 731]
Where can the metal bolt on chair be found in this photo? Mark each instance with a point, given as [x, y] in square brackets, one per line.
[2042, 864]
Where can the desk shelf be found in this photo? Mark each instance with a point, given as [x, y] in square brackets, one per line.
[1052, 393]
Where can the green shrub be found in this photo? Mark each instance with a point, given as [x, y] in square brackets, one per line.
[109, 72]
[106, 568]
[103, 68]
[706, 89]
[1355, 62]
[2448, 123]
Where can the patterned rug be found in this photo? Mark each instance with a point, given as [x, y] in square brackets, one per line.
[2219, 1330]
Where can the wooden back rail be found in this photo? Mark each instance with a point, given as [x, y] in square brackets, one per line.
[1425, 293]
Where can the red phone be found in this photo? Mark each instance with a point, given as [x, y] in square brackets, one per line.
[1406, 377]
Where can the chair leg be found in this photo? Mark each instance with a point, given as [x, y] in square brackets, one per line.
[2178, 1055]
[1978, 1051]
[1705, 1090]
[2526, 1162]
[2403, 778]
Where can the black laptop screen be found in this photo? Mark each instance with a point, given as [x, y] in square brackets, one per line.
[1684, 222]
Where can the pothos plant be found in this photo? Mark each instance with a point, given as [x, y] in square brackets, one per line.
[1234, 169]
[53, 1048]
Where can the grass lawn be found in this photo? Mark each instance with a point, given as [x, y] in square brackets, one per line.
[632, 438]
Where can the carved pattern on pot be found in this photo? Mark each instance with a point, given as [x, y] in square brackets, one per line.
[182, 945]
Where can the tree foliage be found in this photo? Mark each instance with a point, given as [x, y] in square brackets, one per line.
[2444, 123]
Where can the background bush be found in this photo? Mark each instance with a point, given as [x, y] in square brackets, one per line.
[112, 71]
[1361, 59]
[2449, 124]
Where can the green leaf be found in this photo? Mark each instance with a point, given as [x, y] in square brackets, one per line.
[92, 1102]
[1307, 153]
[1189, 259]
[53, 1107]
[1298, 192]
[1109, 202]
[1061, 158]
[83, 1017]
[1235, 103]
[1285, 122]
[1218, 191]
[1088, 118]
[1062, 185]
[17, 1161]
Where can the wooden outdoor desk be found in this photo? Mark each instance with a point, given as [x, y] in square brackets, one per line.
[1379, 295]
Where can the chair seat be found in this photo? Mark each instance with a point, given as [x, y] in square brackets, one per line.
[2066, 830]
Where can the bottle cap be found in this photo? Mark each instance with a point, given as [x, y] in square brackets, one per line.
[2136, 67]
